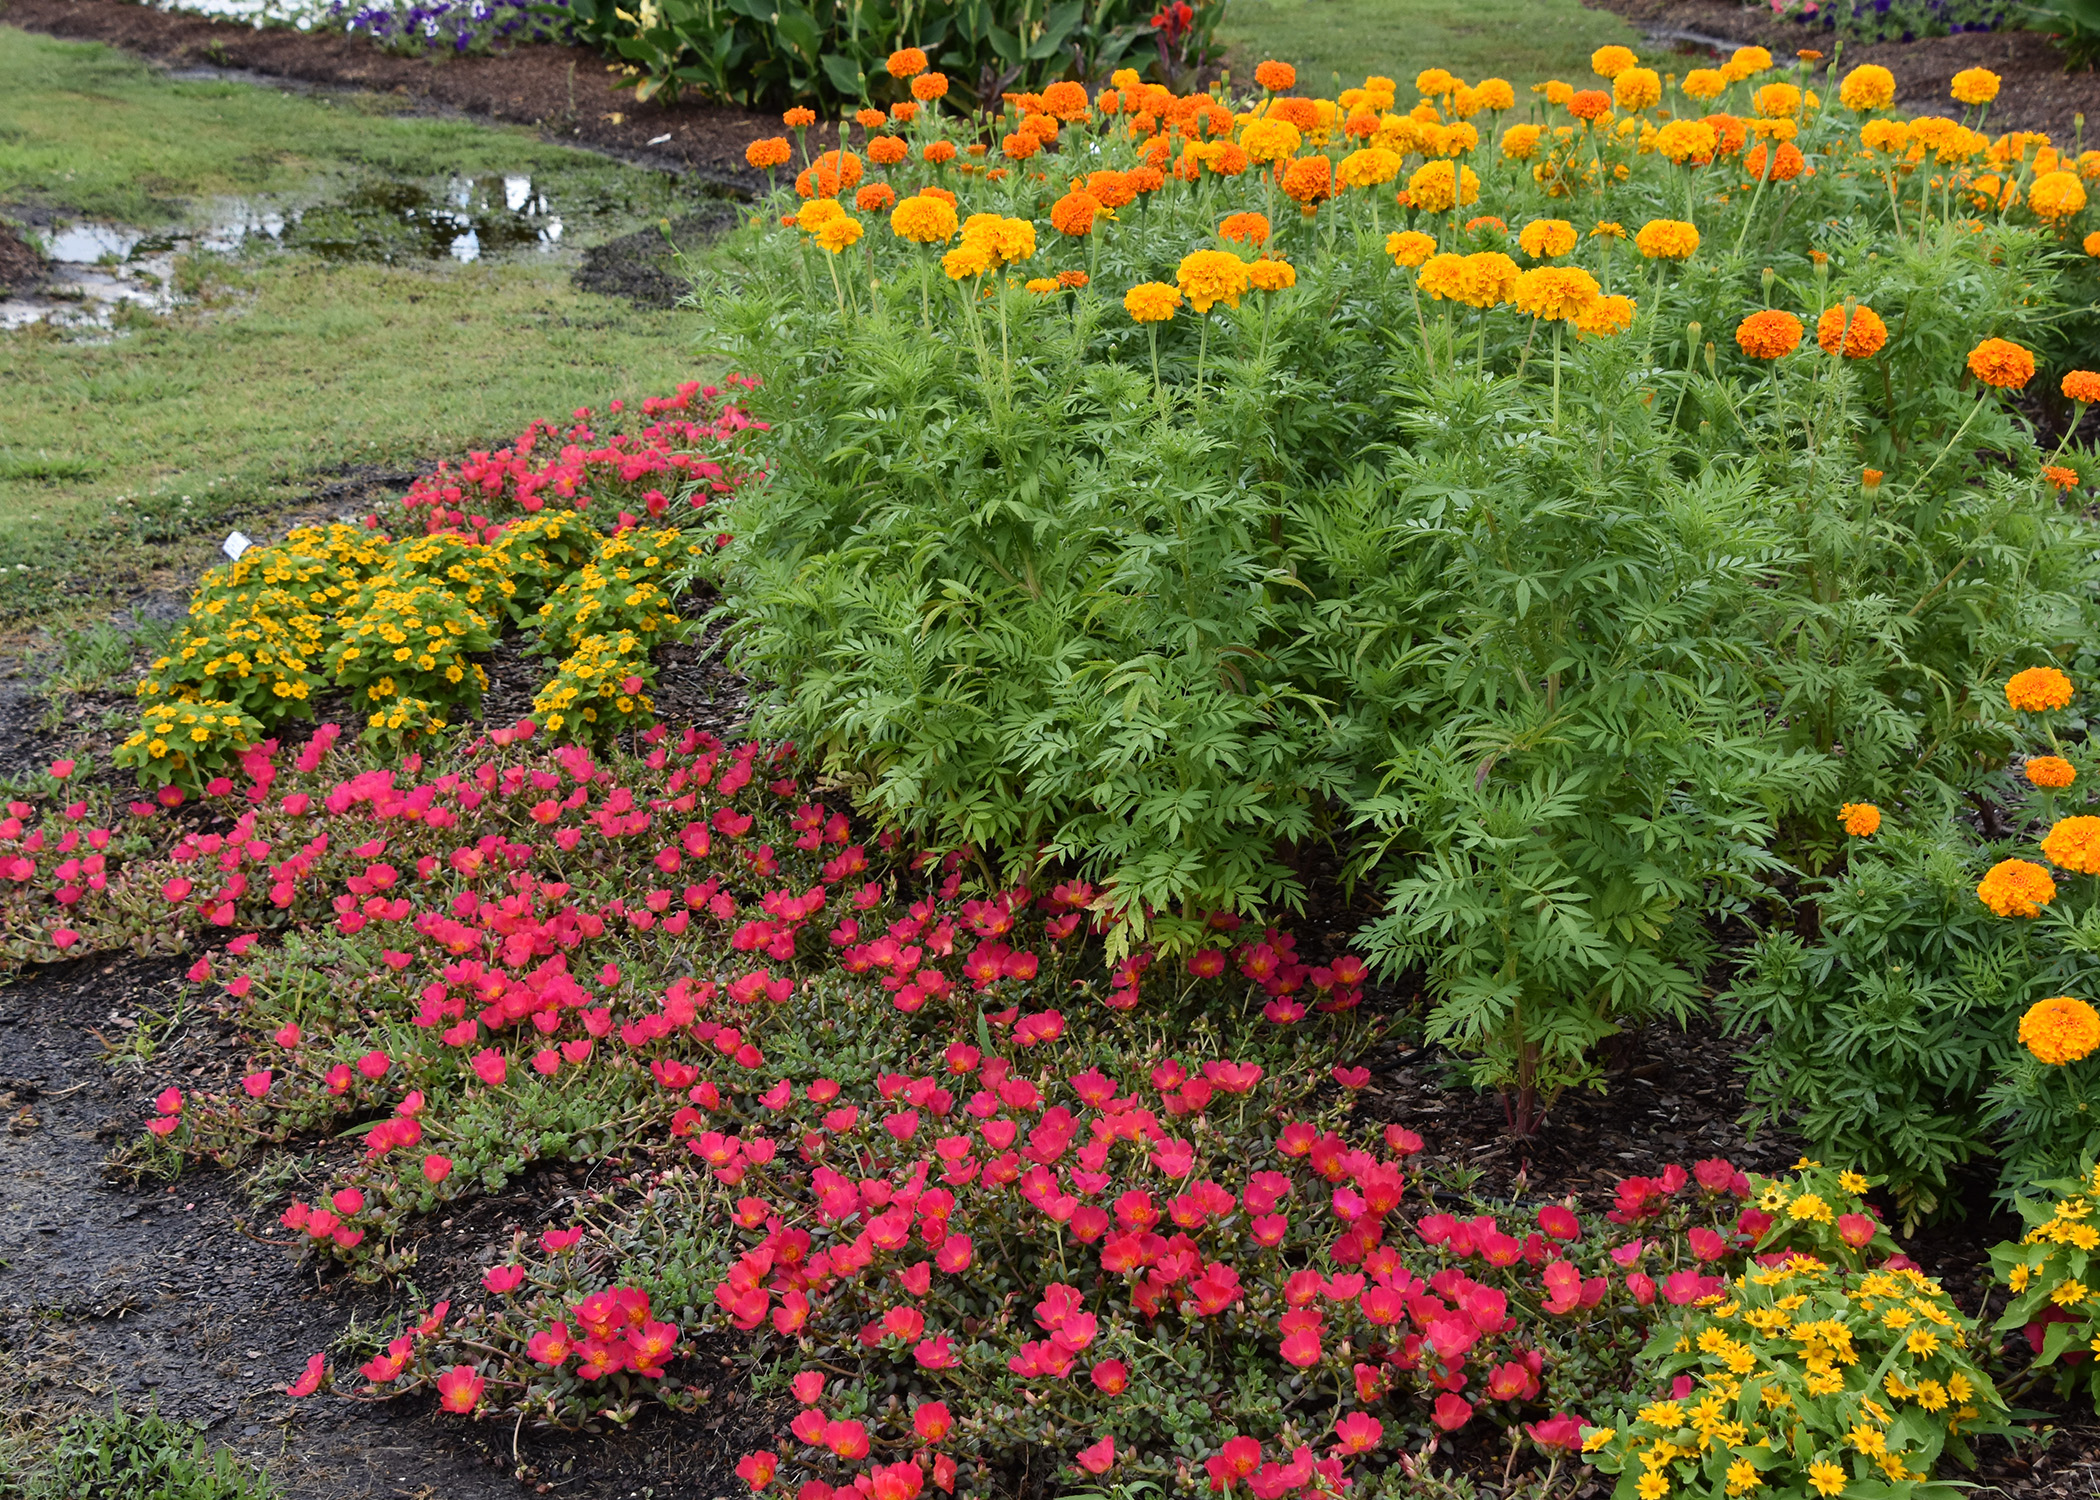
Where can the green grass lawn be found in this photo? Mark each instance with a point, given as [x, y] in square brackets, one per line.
[285, 366]
[1524, 41]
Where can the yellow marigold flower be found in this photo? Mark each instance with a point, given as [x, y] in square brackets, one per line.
[1520, 142]
[1271, 140]
[1748, 61]
[967, 260]
[1610, 62]
[1554, 292]
[2060, 1030]
[1861, 820]
[1770, 334]
[1683, 141]
[1409, 247]
[1207, 277]
[1777, 101]
[1605, 317]
[2050, 772]
[1439, 186]
[1975, 86]
[1608, 229]
[2016, 888]
[1369, 167]
[1704, 84]
[1867, 87]
[923, 220]
[2074, 844]
[1040, 284]
[814, 214]
[1666, 239]
[2092, 243]
[2001, 363]
[1885, 135]
[1495, 94]
[1151, 302]
[1635, 89]
[2056, 195]
[1272, 275]
[836, 233]
[1486, 279]
[1544, 239]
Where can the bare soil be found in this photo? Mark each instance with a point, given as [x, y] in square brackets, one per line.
[20, 267]
[2037, 94]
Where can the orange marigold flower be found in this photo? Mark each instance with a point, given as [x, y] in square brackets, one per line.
[2052, 773]
[2001, 363]
[904, 111]
[1146, 179]
[1151, 302]
[1072, 280]
[2074, 844]
[1545, 239]
[1409, 247]
[1685, 142]
[2056, 195]
[1310, 179]
[1276, 77]
[829, 175]
[874, 197]
[1560, 293]
[905, 62]
[1074, 214]
[1770, 334]
[1859, 326]
[1066, 100]
[2060, 1030]
[929, 86]
[1975, 86]
[1207, 277]
[1867, 87]
[2016, 888]
[798, 117]
[1021, 145]
[1605, 317]
[1861, 819]
[1487, 221]
[2061, 477]
[870, 119]
[1666, 239]
[1483, 280]
[1245, 229]
[938, 152]
[2082, 386]
[1588, 104]
[887, 150]
[1112, 189]
[773, 151]
[1870, 478]
[2038, 690]
[1746, 62]
[2092, 244]
[1272, 275]
[1787, 162]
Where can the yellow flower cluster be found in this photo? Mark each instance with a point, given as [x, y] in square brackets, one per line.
[599, 688]
[1801, 1373]
[184, 743]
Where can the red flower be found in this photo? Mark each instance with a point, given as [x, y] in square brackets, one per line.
[931, 1421]
[1111, 1377]
[437, 1168]
[1451, 1412]
[1559, 1222]
[1856, 1230]
[757, 1469]
[310, 1380]
[1100, 1457]
[459, 1388]
[1359, 1432]
[895, 1482]
[846, 1439]
[1558, 1433]
[503, 1279]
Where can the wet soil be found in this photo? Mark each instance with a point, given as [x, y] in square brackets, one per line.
[644, 267]
[566, 92]
[2037, 94]
[167, 1292]
[20, 267]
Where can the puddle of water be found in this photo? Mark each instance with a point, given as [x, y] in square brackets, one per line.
[99, 268]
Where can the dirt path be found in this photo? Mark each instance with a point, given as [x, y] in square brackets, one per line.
[157, 1294]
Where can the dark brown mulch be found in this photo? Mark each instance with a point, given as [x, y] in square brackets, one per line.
[566, 92]
[2037, 93]
[138, 1293]
[20, 267]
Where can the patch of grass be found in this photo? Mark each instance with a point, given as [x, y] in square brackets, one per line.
[1524, 41]
[121, 1456]
[93, 132]
[292, 368]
